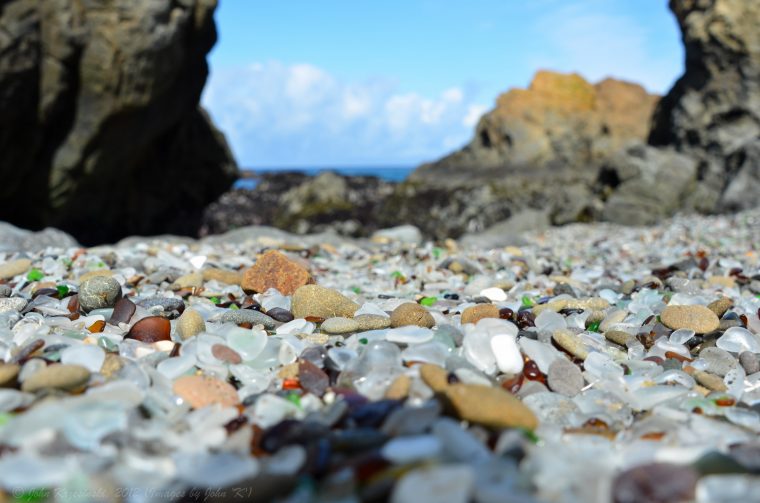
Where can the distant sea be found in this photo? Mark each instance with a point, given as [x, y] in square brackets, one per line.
[390, 173]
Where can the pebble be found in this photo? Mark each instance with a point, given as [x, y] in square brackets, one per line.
[490, 407]
[12, 304]
[312, 378]
[99, 292]
[8, 373]
[190, 324]
[411, 313]
[720, 306]
[167, 304]
[191, 280]
[57, 376]
[709, 381]
[201, 391]
[388, 405]
[274, 270]
[435, 377]
[280, 314]
[693, 317]
[565, 377]
[749, 362]
[222, 276]
[570, 343]
[372, 322]
[13, 268]
[474, 314]
[248, 316]
[618, 336]
[150, 329]
[226, 354]
[321, 302]
[339, 326]
[399, 388]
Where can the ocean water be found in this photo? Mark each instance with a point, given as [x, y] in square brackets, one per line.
[390, 173]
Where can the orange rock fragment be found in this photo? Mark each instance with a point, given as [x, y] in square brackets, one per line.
[274, 270]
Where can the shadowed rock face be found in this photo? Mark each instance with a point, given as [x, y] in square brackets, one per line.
[712, 114]
[100, 129]
[561, 122]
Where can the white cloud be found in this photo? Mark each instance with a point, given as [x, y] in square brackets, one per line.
[277, 114]
[597, 41]
[474, 112]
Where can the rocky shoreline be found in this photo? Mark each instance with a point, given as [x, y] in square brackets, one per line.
[591, 363]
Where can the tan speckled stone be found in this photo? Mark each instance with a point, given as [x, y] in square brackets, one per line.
[571, 343]
[339, 325]
[191, 280]
[411, 313]
[222, 276]
[618, 336]
[720, 306]
[709, 381]
[8, 373]
[57, 376]
[372, 322]
[490, 407]
[15, 267]
[434, 376]
[315, 300]
[190, 324]
[474, 314]
[200, 391]
[399, 388]
[693, 317]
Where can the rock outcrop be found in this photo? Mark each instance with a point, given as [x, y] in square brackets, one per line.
[100, 129]
[300, 203]
[713, 112]
[561, 122]
[704, 144]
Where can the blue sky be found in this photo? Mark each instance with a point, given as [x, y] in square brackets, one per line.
[400, 82]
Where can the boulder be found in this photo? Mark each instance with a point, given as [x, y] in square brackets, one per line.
[712, 113]
[561, 121]
[101, 134]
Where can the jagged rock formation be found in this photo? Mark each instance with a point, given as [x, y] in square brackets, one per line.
[561, 122]
[100, 129]
[705, 135]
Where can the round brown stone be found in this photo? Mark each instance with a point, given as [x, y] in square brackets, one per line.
[411, 314]
[474, 314]
[200, 391]
[693, 317]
